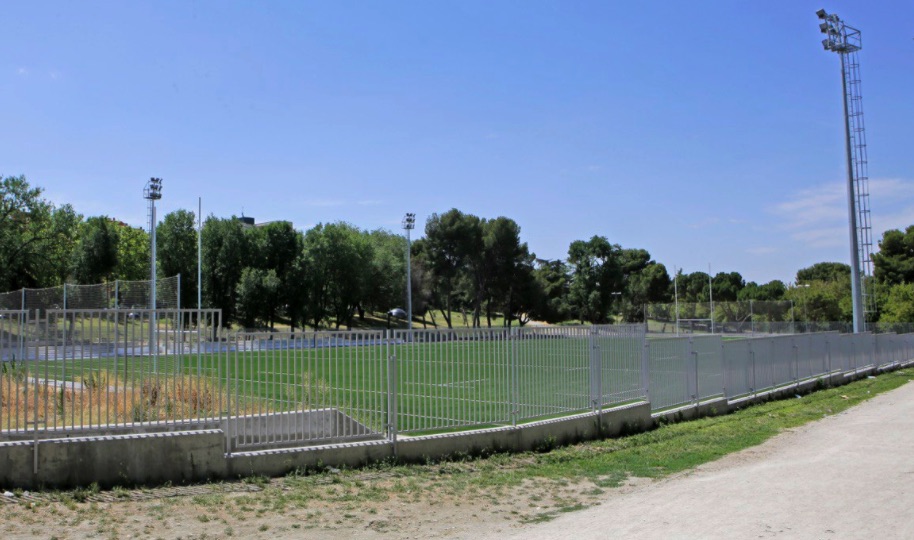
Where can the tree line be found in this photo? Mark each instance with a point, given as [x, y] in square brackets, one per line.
[465, 266]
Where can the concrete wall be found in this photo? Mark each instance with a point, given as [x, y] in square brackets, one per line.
[191, 456]
[177, 457]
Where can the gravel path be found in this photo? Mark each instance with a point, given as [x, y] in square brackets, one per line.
[847, 476]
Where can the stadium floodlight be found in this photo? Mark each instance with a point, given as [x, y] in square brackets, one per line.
[153, 192]
[845, 41]
[409, 223]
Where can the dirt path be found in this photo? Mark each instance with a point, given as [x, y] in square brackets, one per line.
[847, 476]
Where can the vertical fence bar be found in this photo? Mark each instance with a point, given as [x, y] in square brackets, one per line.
[514, 392]
[646, 369]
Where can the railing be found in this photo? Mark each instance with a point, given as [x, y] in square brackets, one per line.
[72, 369]
[293, 389]
[450, 379]
[99, 371]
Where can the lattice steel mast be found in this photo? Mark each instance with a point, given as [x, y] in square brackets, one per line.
[845, 41]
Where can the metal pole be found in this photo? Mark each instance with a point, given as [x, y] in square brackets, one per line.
[856, 293]
[153, 323]
[199, 280]
[199, 256]
[409, 284]
[676, 296]
[180, 326]
[711, 296]
[793, 319]
[751, 319]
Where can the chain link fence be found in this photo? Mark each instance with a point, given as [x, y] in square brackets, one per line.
[117, 294]
[747, 318]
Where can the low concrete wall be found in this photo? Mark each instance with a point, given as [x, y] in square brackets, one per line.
[177, 457]
[533, 436]
[708, 407]
[294, 428]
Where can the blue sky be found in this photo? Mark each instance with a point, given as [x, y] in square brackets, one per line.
[705, 132]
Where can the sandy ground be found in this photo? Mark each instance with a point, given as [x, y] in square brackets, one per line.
[846, 476]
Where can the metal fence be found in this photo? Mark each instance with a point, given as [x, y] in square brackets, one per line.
[118, 294]
[76, 369]
[688, 370]
[71, 371]
[449, 379]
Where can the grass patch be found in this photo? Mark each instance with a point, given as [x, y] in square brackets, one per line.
[677, 447]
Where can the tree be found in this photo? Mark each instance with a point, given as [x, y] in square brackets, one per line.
[650, 285]
[554, 282]
[727, 285]
[278, 246]
[256, 295]
[453, 244]
[95, 257]
[894, 263]
[337, 263]
[825, 271]
[388, 272]
[693, 287]
[821, 301]
[769, 292]
[898, 305]
[133, 254]
[225, 252]
[596, 275]
[508, 268]
[176, 252]
[36, 241]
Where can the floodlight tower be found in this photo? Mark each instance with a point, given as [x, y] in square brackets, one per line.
[152, 192]
[409, 223]
[845, 40]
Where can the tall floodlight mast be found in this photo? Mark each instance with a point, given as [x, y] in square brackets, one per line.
[152, 192]
[845, 40]
[409, 223]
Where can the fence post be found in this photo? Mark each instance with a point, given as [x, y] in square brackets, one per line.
[595, 393]
[646, 367]
[391, 392]
[751, 319]
[754, 388]
[515, 385]
[828, 357]
[693, 358]
[854, 352]
[725, 369]
[796, 359]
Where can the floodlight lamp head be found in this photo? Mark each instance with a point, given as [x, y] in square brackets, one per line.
[409, 221]
[824, 27]
[821, 13]
[153, 189]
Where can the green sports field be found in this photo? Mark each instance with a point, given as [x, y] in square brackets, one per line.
[440, 385]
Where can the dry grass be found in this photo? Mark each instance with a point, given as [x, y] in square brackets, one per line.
[102, 398]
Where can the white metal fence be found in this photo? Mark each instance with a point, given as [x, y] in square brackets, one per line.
[688, 370]
[75, 371]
